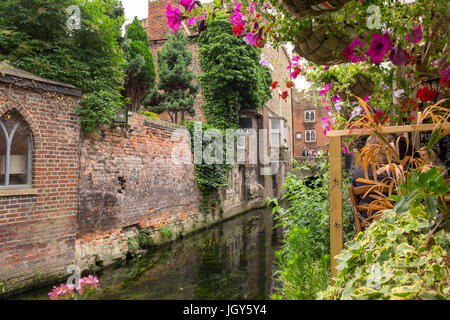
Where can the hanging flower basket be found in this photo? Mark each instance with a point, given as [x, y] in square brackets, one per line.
[323, 44]
[361, 86]
[304, 8]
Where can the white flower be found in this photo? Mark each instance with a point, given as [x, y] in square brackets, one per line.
[398, 93]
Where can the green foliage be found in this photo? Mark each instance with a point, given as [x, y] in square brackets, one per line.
[176, 89]
[232, 79]
[425, 187]
[209, 177]
[302, 276]
[166, 232]
[142, 240]
[150, 114]
[304, 257]
[140, 69]
[34, 37]
[392, 259]
[308, 206]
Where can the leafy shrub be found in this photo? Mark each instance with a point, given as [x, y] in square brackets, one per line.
[393, 260]
[151, 115]
[304, 257]
[34, 37]
[308, 206]
[232, 78]
[301, 275]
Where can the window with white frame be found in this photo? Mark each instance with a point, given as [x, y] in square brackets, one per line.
[275, 132]
[310, 116]
[15, 151]
[310, 136]
[298, 136]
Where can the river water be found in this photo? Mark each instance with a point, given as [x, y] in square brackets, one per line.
[233, 260]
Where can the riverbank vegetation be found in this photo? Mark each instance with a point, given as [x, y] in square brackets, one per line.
[303, 213]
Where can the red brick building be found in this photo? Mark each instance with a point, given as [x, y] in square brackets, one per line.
[39, 143]
[307, 123]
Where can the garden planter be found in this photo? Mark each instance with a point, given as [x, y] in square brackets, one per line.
[323, 45]
[304, 8]
[360, 87]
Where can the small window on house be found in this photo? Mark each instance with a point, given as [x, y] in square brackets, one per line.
[15, 151]
[275, 133]
[310, 116]
[298, 136]
[310, 136]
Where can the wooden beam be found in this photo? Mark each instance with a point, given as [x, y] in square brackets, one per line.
[394, 129]
[336, 219]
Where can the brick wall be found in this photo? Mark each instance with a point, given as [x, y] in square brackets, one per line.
[129, 180]
[157, 21]
[302, 104]
[37, 230]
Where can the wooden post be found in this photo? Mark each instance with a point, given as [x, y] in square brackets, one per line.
[336, 219]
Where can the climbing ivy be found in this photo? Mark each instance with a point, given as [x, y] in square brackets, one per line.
[232, 78]
[209, 177]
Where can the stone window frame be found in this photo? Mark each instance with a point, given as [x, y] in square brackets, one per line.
[19, 189]
[310, 116]
[308, 133]
[298, 136]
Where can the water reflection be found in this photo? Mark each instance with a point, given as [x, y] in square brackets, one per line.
[234, 260]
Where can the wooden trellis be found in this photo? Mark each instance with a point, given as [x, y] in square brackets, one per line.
[335, 153]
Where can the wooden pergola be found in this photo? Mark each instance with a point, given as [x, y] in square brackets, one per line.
[335, 154]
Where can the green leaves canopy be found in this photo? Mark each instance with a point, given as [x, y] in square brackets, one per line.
[176, 88]
[233, 79]
[34, 37]
[140, 68]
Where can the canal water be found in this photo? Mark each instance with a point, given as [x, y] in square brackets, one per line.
[233, 260]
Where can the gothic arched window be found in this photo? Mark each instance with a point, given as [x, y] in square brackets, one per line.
[15, 151]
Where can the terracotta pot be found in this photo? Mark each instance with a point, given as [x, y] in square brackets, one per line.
[304, 8]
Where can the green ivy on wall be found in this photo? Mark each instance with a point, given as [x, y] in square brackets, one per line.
[232, 78]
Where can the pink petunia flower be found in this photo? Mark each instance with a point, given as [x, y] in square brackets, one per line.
[325, 90]
[378, 47]
[398, 56]
[349, 51]
[188, 4]
[174, 17]
[415, 35]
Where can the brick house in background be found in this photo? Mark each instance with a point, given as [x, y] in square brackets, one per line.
[276, 114]
[307, 123]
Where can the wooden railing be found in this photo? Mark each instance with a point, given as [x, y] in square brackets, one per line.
[335, 154]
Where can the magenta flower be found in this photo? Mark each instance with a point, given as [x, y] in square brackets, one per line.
[236, 17]
[445, 73]
[325, 90]
[192, 21]
[251, 38]
[415, 35]
[188, 4]
[336, 98]
[326, 68]
[398, 56]
[174, 17]
[378, 47]
[349, 51]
